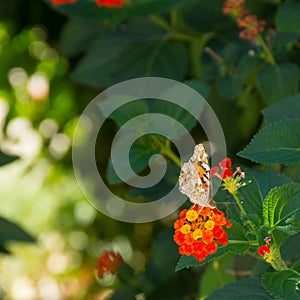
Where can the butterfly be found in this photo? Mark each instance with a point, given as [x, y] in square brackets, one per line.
[194, 179]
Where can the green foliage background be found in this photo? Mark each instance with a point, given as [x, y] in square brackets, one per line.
[81, 49]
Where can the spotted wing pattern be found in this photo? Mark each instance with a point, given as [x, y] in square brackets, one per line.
[194, 179]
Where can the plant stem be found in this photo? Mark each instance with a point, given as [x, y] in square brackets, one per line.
[238, 242]
[237, 200]
[167, 151]
[269, 55]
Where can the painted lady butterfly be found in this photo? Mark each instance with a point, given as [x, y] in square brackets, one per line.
[194, 179]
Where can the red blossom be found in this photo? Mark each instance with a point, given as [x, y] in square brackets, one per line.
[108, 263]
[233, 7]
[199, 231]
[225, 163]
[110, 3]
[213, 171]
[60, 2]
[252, 26]
[263, 250]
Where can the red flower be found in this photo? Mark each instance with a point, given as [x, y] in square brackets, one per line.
[263, 250]
[233, 8]
[110, 3]
[60, 2]
[199, 231]
[108, 263]
[213, 171]
[232, 181]
[252, 26]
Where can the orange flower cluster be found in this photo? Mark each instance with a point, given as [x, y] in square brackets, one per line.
[104, 3]
[108, 263]
[199, 231]
[250, 24]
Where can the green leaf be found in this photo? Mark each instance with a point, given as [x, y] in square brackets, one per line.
[246, 289]
[229, 87]
[252, 194]
[11, 232]
[96, 67]
[288, 108]
[6, 159]
[281, 208]
[86, 33]
[153, 57]
[215, 275]
[199, 86]
[288, 17]
[276, 143]
[140, 153]
[290, 249]
[282, 285]
[278, 82]
[126, 112]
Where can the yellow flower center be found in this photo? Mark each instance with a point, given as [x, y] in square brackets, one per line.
[197, 234]
[209, 225]
[185, 229]
[191, 215]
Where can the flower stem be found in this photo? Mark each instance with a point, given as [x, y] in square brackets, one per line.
[237, 200]
[238, 242]
[167, 151]
[269, 55]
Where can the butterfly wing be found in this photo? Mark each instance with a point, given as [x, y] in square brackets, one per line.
[194, 179]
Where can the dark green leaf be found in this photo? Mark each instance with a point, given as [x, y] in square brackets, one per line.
[199, 86]
[229, 87]
[156, 57]
[281, 208]
[215, 275]
[276, 143]
[95, 69]
[12, 232]
[282, 285]
[6, 159]
[288, 108]
[288, 17]
[246, 289]
[126, 112]
[86, 34]
[290, 249]
[278, 82]
[139, 156]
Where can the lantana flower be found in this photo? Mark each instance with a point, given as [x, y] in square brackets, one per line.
[108, 263]
[232, 180]
[60, 2]
[199, 231]
[110, 3]
[263, 250]
[250, 24]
